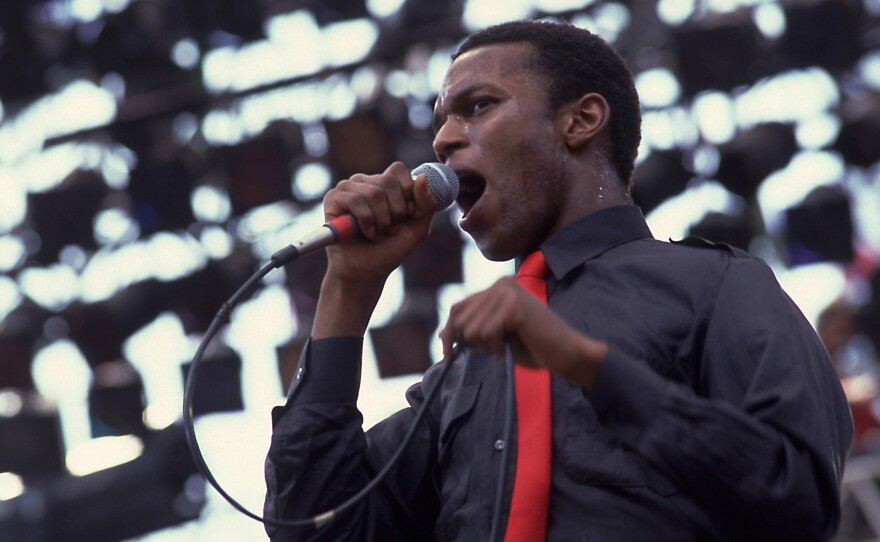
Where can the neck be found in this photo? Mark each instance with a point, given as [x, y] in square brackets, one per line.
[596, 188]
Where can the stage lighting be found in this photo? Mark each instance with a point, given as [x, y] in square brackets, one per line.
[402, 347]
[63, 216]
[116, 400]
[160, 190]
[136, 44]
[259, 170]
[659, 177]
[860, 130]
[437, 260]
[820, 229]
[159, 489]
[100, 328]
[218, 381]
[21, 65]
[31, 444]
[825, 33]
[333, 11]
[753, 155]
[196, 298]
[716, 52]
[19, 332]
[358, 144]
[732, 229]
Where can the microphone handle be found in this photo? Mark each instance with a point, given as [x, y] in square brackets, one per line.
[340, 229]
[344, 228]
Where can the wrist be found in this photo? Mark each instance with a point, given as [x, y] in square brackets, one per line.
[345, 307]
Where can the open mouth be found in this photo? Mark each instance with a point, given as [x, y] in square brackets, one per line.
[471, 187]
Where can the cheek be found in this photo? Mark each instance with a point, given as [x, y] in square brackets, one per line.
[541, 191]
[541, 171]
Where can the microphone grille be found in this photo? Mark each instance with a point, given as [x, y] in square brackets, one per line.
[442, 182]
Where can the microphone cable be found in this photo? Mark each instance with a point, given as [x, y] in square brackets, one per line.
[222, 317]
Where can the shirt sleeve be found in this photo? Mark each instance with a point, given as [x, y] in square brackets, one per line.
[762, 441]
[319, 455]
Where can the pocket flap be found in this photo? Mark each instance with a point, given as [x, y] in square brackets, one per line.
[457, 410]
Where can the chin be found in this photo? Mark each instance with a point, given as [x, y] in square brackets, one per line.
[495, 253]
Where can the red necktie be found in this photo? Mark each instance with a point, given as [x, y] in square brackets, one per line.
[531, 484]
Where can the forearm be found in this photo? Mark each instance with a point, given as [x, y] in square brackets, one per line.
[752, 472]
[345, 308]
[394, 215]
[316, 437]
[319, 456]
[743, 468]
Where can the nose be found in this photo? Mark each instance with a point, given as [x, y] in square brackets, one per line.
[449, 138]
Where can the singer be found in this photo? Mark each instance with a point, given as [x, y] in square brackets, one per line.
[687, 398]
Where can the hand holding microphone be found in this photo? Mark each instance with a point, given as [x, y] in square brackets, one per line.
[442, 183]
[393, 213]
[373, 207]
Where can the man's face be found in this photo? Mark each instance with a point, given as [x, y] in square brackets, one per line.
[493, 127]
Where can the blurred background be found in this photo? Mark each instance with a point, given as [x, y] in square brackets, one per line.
[154, 153]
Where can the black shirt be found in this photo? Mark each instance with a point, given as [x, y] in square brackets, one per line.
[716, 416]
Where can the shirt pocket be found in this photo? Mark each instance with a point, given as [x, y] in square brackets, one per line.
[592, 457]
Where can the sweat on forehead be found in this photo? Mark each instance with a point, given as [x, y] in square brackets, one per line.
[476, 62]
[489, 72]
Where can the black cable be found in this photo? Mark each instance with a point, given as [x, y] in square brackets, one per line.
[324, 518]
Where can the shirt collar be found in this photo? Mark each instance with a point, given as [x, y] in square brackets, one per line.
[592, 235]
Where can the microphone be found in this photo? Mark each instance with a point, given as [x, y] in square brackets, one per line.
[442, 182]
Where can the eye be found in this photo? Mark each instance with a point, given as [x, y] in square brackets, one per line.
[480, 103]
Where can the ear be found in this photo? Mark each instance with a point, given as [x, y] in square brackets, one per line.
[584, 119]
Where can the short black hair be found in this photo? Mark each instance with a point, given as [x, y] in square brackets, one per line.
[577, 62]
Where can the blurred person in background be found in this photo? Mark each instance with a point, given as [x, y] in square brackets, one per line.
[858, 367]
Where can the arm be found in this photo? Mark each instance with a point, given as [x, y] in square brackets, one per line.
[319, 455]
[394, 214]
[763, 444]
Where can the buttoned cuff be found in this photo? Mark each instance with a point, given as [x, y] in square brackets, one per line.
[329, 371]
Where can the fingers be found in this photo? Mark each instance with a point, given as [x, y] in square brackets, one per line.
[486, 320]
[425, 204]
[379, 203]
[539, 338]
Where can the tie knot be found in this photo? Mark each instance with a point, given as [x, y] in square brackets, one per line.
[533, 266]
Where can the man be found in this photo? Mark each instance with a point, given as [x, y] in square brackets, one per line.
[691, 400]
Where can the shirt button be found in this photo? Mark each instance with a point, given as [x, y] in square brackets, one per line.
[499, 444]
